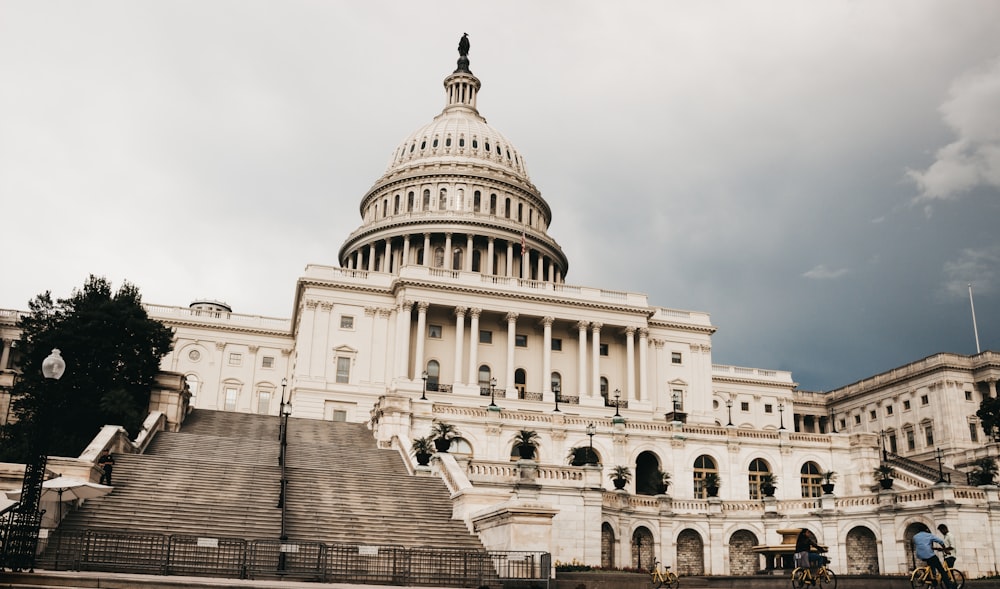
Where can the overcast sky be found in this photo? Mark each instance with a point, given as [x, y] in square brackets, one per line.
[823, 178]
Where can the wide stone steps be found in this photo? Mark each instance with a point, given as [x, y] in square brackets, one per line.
[219, 476]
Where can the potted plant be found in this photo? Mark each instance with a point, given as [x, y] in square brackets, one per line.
[661, 481]
[710, 482]
[525, 442]
[620, 476]
[582, 455]
[443, 433]
[828, 478]
[985, 472]
[423, 448]
[768, 483]
[884, 473]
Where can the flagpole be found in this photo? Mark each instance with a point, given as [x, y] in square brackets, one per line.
[975, 329]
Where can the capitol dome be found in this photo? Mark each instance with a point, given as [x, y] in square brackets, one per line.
[456, 195]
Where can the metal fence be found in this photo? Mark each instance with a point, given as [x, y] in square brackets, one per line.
[160, 554]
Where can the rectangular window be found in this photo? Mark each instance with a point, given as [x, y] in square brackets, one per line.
[843, 424]
[675, 357]
[872, 415]
[892, 443]
[924, 400]
[768, 408]
[339, 415]
[857, 419]
[906, 405]
[235, 359]
[485, 337]
[434, 331]
[604, 349]
[263, 402]
[888, 409]
[911, 443]
[968, 395]
[677, 396]
[929, 435]
[230, 399]
[973, 432]
[347, 322]
[744, 406]
[267, 362]
[556, 344]
[343, 370]
[521, 341]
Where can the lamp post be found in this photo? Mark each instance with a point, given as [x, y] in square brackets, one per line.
[493, 390]
[618, 394]
[939, 455]
[281, 408]
[781, 415]
[729, 408]
[555, 391]
[591, 430]
[881, 439]
[423, 391]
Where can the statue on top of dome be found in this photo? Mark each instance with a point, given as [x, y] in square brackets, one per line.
[463, 45]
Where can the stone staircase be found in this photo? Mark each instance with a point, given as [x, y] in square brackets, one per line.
[219, 476]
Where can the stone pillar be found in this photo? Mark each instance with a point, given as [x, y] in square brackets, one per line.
[5, 355]
[427, 250]
[630, 364]
[403, 339]
[449, 256]
[510, 259]
[547, 357]
[595, 354]
[540, 274]
[406, 251]
[643, 392]
[584, 390]
[387, 260]
[459, 342]
[371, 257]
[467, 259]
[489, 257]
[511, 333]
[474, 345]
[418, 357]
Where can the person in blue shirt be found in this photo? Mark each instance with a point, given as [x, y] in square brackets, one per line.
[923, 548]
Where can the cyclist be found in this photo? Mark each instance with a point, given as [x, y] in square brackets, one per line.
[923, 548]
[804, 557]
[949, 545]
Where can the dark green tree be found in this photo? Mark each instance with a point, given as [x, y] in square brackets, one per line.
[989, 416]
[112, 350]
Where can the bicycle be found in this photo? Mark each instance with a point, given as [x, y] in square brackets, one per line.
[823, 577]
[923, 577]
[663, 577]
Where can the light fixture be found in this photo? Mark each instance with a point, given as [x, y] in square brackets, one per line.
[555, 391]
[423, 391]
[493, 388]
[729, 407]
[618, 393]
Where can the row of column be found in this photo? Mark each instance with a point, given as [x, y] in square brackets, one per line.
[631, 391]
[364, 258]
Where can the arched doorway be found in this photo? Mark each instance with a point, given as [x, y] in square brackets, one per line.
[690, 557]
[911, 560]
[742, 559]
[647, 474]
[862, 552]
[607, 546]
[643, 549]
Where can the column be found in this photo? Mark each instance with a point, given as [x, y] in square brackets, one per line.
[387, 261]
[547, 355]
[418, 357]
[5, 355]
[489, 257]
[643, 392]
[595, 330]
[449, 255]
[552, 272]
[404, 309]
[511, 333]
[467, 260]
[474, 345]
[584, 390]
[406, 251]
[427, 251]
[540, 274]
[371, 257]
[510, 259]
[630, 364]
[459, 343]
[526, 265]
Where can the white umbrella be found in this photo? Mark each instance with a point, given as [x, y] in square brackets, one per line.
[66, 489]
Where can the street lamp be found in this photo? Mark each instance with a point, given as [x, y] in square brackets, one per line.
[493, 389]
[939, 454]
[591, 430]
[423, 391]
[881, 439]
[555, 391]
[618, 393]
[281, 412]
[729, 407]
[781, 415]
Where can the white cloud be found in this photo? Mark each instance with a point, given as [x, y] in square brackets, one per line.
[976, 266]
[821, 272]
[973, 159]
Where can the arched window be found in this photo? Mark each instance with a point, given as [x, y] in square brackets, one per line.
[476, 260]
[506, 208]
[439, 257]
[484, 380]
[556, 382]
[409, 202]
[385, 208]
[395, 209]
[193, 385]
[811, 480]
[493, 204]
[703, 465]
[443, 200]
[758, 468]
[461, 141]
[520, 212]
[420, 257]
[477, 199]
[433, 375]
[604, 391]
[456, 259]
[427, 200]
[520, 378]
[648, 477]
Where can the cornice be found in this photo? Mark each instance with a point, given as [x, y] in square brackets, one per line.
[755, 382]
[224, 327]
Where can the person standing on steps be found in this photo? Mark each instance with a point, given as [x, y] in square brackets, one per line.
[107, 464]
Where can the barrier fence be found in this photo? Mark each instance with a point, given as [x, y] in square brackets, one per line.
[160, 554]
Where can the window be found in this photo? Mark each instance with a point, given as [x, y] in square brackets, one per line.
[556, 344]
[604, 349]
[235, 359]
[484, 380]
[911, 443]
[702, 465]
[604, 391]
[194, 355]
[556, 382]
[443, 200]
[520, 382]
[230, 399]
[857, 419]
[343, 369]
[888, 409]
[758, 468]
[906, 405]
[677, 398]
[427, 200]
[521, 341]
[267, 362]
[347, 322]
[924, 400]
[263, 402]
[433, 375]
[485, 337]
[968, 395]
[745, 406]
[929, 435]
[843, 423]
[768, 408]
[872, 415]
[192, 384]
[892, 443]
[973, 432]
[339, 415]
[811, 480]
[434, 331]
[675, 357]
[439, 257]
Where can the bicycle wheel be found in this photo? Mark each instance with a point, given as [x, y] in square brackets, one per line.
[958, 577]
[827, 579]
[658, 580]
[918, 577]
[798, 582]
[674, 581]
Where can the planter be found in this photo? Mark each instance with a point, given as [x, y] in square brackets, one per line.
[827, 488]
[526, 452]
[767, 490]
[442, 444]
[886, 483]
[423, 458]
[712, 491]
[619, 483]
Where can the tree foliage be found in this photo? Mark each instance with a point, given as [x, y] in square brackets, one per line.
[989, 416]
[112, 350]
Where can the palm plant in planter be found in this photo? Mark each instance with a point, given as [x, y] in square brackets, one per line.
[582, 455]
[985, 472]
[443, 433]
[711, 482]
[423, 448]
[620, 476]
[525, 442]
[661, 481]
[884, 473]
[828, 478]
[768, 483]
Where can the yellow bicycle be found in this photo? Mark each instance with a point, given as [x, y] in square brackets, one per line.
[662, 577]
[823, 577]
[923, 577]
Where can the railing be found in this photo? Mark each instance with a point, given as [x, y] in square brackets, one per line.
[160, 554]
[918, 468]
